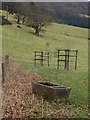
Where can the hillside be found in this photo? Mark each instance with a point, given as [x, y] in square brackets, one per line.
[20, 44]
[71, 13]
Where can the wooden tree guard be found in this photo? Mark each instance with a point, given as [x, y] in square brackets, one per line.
[66, 55]
[41, 56]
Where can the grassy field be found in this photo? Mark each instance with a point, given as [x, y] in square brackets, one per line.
[20, 45]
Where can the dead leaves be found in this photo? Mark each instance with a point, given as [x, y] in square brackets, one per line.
[16, 87]
[19, 102]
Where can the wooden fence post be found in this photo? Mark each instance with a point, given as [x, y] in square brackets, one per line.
[5, 68]
[3, 75]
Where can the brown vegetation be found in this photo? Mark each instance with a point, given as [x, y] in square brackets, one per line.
[20, 102]
[17, 90]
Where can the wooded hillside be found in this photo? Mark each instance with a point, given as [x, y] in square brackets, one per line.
[72, 13]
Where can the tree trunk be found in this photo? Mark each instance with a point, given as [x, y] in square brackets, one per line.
[7, 12]
[18, 19]
[23, 21]
[37, 30]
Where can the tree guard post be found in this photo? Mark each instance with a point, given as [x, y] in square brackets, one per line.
[65, 59]
[58, 60]
[42, 58]
[48, 59]
[35, 58]
[76, 59]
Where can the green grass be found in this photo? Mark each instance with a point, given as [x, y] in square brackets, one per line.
[20, 45]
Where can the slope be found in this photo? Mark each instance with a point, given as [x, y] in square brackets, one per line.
[20, 45]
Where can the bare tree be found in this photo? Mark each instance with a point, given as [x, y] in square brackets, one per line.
[36, 19]
[32, 11]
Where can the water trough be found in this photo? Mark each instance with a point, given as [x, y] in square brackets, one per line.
[50, 90]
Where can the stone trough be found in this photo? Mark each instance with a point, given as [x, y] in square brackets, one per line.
[50, 90]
